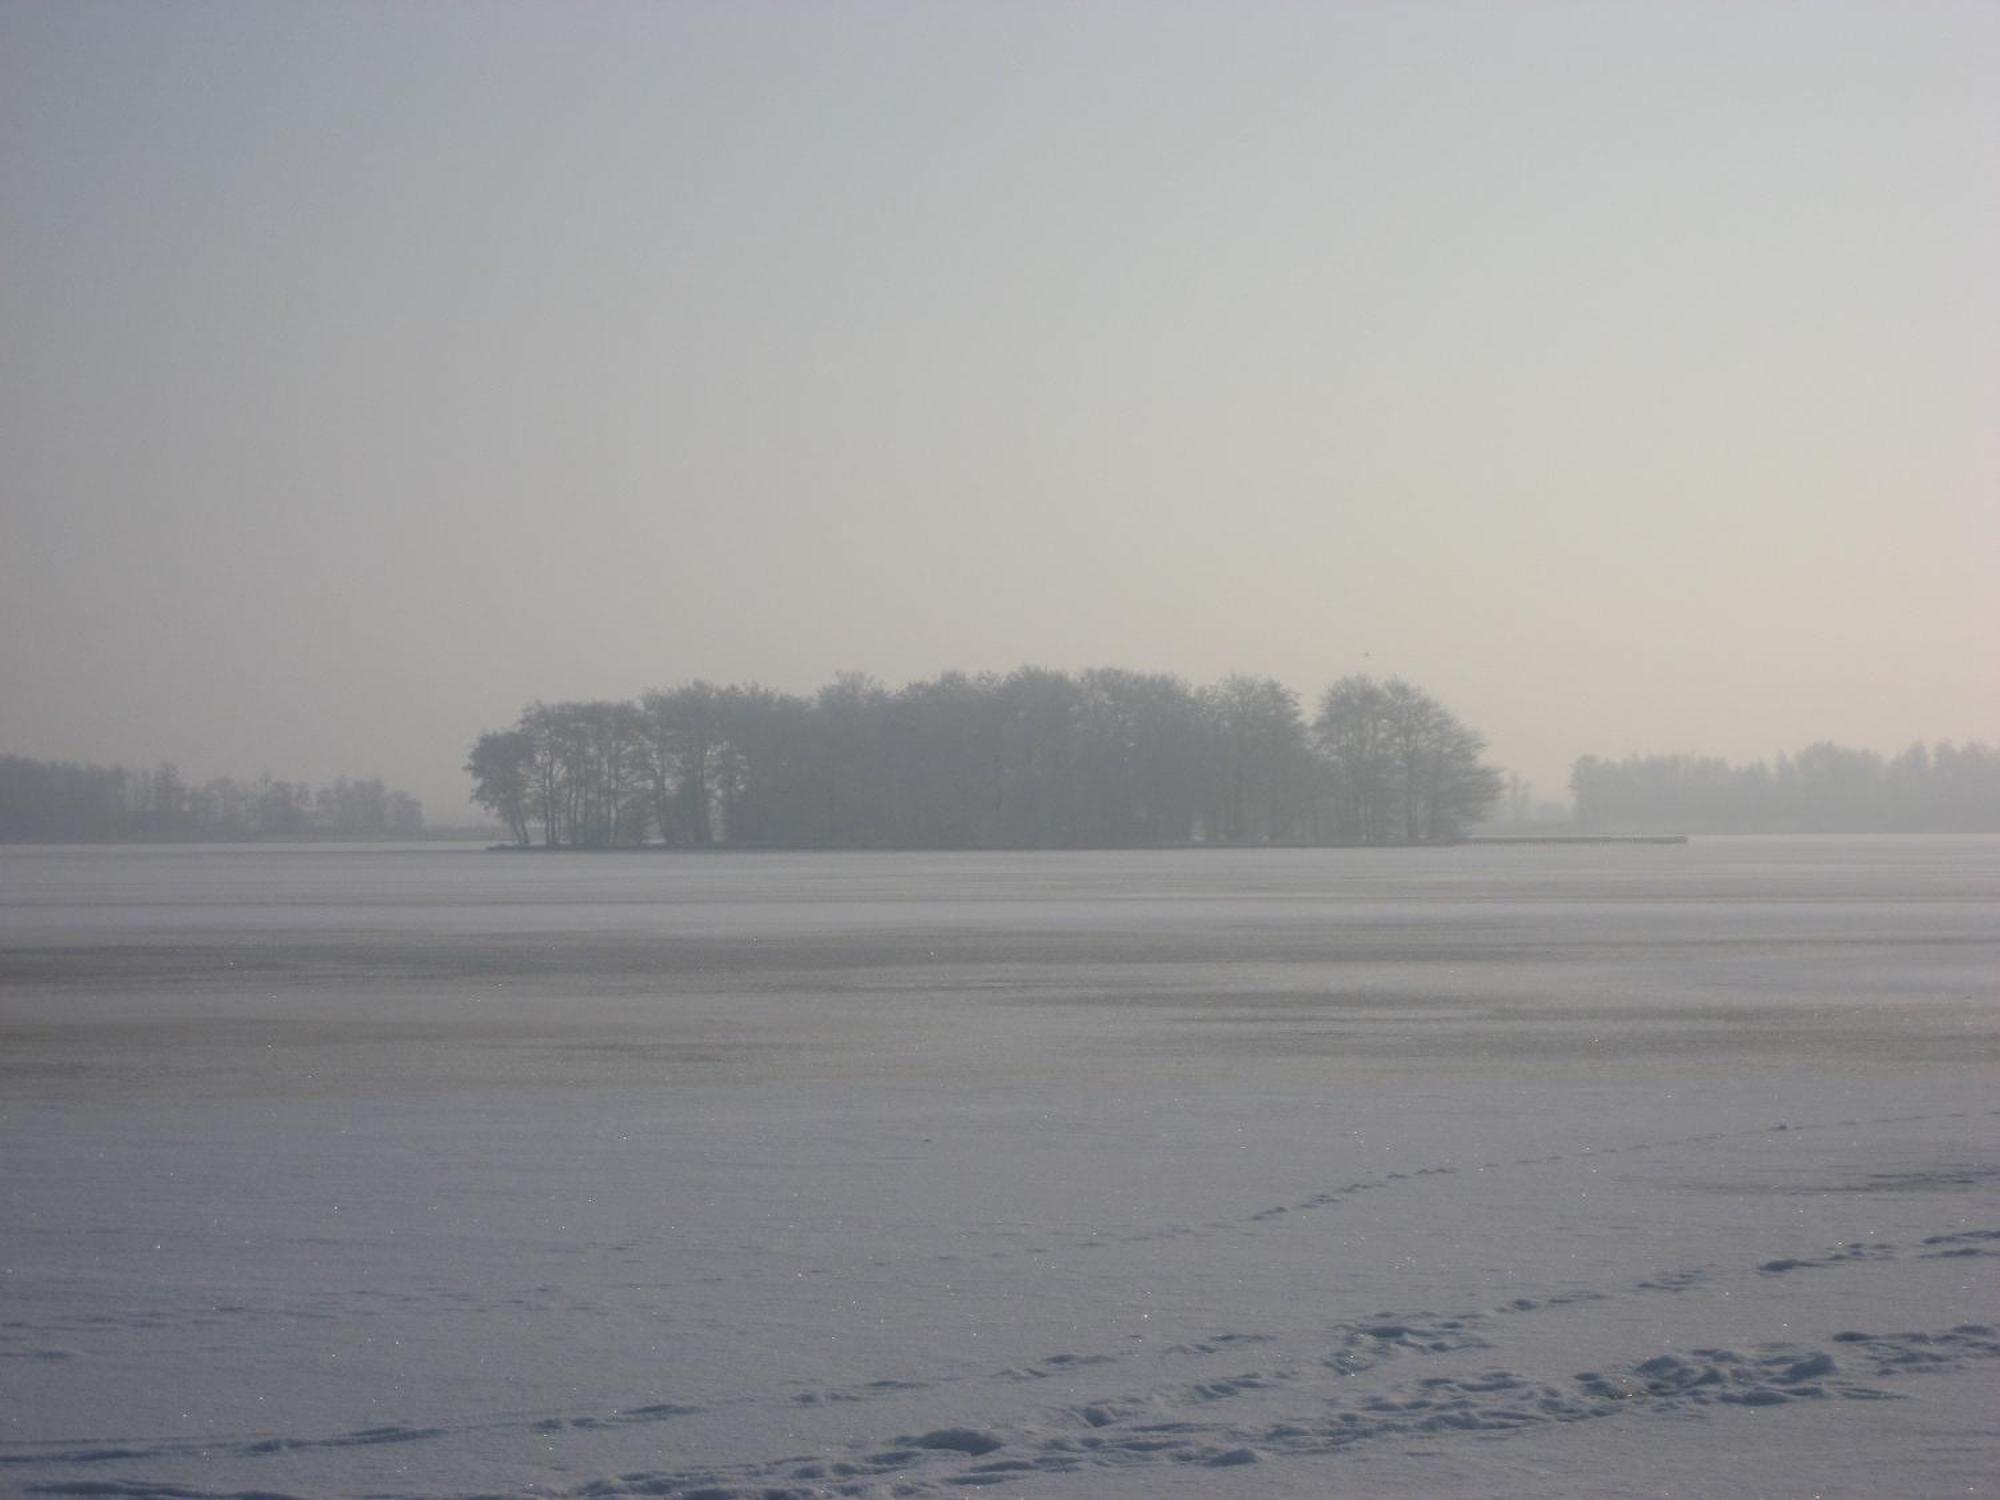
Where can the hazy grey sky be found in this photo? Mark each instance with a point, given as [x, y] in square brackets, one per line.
[1627, 374]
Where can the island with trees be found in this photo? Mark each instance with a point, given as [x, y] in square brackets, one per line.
[1034, 759]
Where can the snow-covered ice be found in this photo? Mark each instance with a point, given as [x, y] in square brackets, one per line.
[1587, 1171]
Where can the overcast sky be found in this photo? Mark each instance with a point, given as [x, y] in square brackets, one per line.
[1626, 374]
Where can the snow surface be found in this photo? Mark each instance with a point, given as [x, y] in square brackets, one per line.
[1595, 1171]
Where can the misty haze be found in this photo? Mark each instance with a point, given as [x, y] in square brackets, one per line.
[879, 750]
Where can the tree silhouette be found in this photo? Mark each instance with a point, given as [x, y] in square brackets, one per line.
[1035, 759]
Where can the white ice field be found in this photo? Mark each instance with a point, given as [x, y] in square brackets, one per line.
[1599, 1171]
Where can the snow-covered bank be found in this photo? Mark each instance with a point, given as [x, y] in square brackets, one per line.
[1587, 1172]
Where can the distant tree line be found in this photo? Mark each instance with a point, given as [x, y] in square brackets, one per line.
[1033, 759]
[1824, 788]
[64, 802]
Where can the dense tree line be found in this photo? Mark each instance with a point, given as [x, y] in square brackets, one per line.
[63, 802]
[1823, 789]
[1033, 759]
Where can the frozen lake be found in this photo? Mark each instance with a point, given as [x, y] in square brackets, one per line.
[1565, 1171]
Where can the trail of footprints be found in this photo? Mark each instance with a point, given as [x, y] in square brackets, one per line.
[1140, 1429]
[1184, 1420]
[1493, 1402]
[1153, 1426]
[1965, 1176]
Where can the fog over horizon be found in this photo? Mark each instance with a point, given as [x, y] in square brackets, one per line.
[1627, 377]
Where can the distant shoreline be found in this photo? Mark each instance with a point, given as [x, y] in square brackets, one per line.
[699, 849]
[1576, 838]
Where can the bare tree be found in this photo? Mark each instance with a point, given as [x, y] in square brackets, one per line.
[1399, 763]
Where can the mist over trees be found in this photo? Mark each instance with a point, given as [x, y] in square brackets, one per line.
[64, 802]
[1034, 759]
[1825, 788]
[1400, 766]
